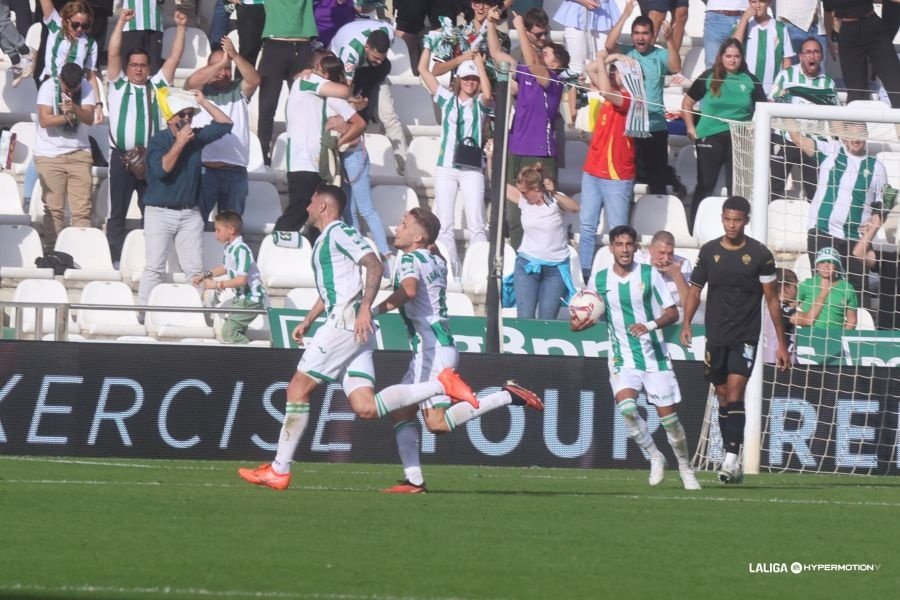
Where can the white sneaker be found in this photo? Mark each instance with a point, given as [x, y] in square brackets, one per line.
[731, 474]
[24, 69]
[689, 479]
[657, 469]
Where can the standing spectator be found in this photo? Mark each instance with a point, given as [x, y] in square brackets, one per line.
[21, 57]
[825, 300]
[608, 179]
[656, 11]
[62, 152]
[542, 275]
[410, 20]
[803, 19]
[463, 113]
[767, 46]
[219, 22]
[863, 41]
[224, 181]
[675, 270]
[133, 118]
[144, 31]
[172, 212]
[652, 153]
[24, 15]
[251, 20]
[287, 49]
[449, 55]
[728, 91]
[331, 15]
[721, 18]
[886, 263]
[586, 24]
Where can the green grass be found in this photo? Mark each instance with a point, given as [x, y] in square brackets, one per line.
[185, 529]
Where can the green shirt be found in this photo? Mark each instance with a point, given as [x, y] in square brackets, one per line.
[290, 19]
[735, 101]
[841, 297]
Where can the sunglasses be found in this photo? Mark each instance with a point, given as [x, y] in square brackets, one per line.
[79, 25]
[185, 114]
[539, 34]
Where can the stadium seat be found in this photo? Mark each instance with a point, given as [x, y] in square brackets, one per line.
[787, 225]
[398, 54]
[137, 339]
[17, 103]
[11, 212]
[301, 298]
[689, 254]
[415, 107]
[575, 268]
[131, 263]
[285, 267]
[421, 162]
[279, 153]
[891, 162]
[886, 132]
[101, 322]
[654, 212]
[258, 328]
[708, 221]
[262, 209]
[256, 166]
[686, 168]
[864, 320]
[392, 202]
[475, 267]
[177, 324]
[20, 245]
[694, 62]
[89, 248]
[196, 50]
[459, 305]
[24, 152]
[100, 133]
[603, 259]
[569, 178]
[44, 291]
[100, 210]
[454, 283]
[382, 163]
[802, 267]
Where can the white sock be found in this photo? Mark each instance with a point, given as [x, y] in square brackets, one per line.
[677, 439]
[296, 417]
[397, 396]
[731, 460]
[637, 426]
[463, 412]
[407, 435]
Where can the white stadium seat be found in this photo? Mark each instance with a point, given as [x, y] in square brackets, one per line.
[196, 50]
[89, 248]
[25, 135]
[891, 162]
[177, 324]
[708, 220]
[575, 268]
[131, 263]
[415, 108]
[421, 162]
[279, 154]
[603, 259]
[398, 54]
[17, 103]
[864, 320]
[392, 202]
[262, 209]
[20, 245]
[787, 225]
[11, 212]
[475, 267]
[301, 298]
[383, 163]
[571, 173]
[46, 291]
[654, 212]
[101, 322]
[285, 267]
[459, 305]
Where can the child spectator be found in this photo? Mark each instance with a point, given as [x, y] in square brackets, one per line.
[767, 45]
[825, 300]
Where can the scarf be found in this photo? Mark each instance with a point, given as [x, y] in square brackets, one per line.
[637, 122]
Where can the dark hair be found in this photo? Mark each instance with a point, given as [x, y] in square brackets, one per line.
[230, 218]
[560, 53]
[72, 74]
[333, 192]
[718, 70]
[134, 52]
[536, 16]
[333, 67]
[811, 39]
[427, 221]
[379, 41]
[643, 20]
[738, 203]
[620, 230]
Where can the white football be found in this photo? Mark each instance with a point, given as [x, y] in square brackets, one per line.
[587, 305]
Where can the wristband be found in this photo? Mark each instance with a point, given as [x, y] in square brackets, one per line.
[651, 325]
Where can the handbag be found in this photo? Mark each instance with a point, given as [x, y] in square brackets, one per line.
[135, 160]
[467, 154]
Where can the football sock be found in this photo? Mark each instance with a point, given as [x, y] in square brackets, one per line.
[723, 424]
[463, 412]
[637, 427]
[296, 416]
[735, 427]
[397, 396]
[677, 439]
[407, 435]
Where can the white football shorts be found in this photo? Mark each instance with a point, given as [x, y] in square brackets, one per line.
[661, 387]
[426, 364]
[334, 354]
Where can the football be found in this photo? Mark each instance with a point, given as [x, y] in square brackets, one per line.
[587, 305]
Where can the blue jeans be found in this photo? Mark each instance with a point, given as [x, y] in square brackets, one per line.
[716, 29]
[544, 291]
[597, 193]
[226, 188]
[218, 26]
[798, 36]
[356, 165]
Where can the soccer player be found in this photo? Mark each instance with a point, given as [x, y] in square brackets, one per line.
[420, 289]
[638, 305]
[341, 349]
[739, 271]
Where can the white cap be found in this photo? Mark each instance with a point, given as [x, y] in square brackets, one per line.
[467, 69]
[177, 101]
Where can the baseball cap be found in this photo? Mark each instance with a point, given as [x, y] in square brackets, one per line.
[468, 68]
[831, 255]
[173, 102]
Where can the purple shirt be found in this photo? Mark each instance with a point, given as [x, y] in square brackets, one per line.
[534, 124]
[330, 16]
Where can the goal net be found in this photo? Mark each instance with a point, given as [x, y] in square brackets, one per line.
[820, 177]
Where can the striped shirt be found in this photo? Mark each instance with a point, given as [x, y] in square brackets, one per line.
[61, 51]
[335, 262]
[348, 44]
[133, 117]
[257, 2]
[239, 261]
[636, 298]
[795, 86]
[472, 112]
[147, 15]
[306, 113]
[847, 187]
[765, 48]
[425, 315]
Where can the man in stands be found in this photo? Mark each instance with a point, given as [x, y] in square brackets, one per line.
[675, 270]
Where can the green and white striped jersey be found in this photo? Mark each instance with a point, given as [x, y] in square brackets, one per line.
[472, 112]
[638, 297]
[348, 44]
[847, 187]
[335, 262]
[305, 114]
[794, 86]
[130, 123]
[425, 315]
[239, 261]
[260, 2]
[61, 51]
[765, 48]
[147, 15]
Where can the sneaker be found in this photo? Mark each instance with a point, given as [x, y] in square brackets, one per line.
[405, 487]
[456, 388]
[689, 479]
[731, 474]
[522, 396]
[24, 69]
[265, 475]
[657, 469]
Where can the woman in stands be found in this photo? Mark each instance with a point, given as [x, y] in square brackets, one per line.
[463, 110]
[728, 92]
[542, 276]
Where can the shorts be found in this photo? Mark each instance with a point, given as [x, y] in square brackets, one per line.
[334, 354]
[661, 387]
[662, 6]
[734, 359]
[410, 14]
[426, 365]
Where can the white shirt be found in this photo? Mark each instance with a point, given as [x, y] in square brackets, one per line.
[61, 51]
[727, 5]
[544, 231]
[56, 141]
[233, 148]
[426, 313]
[335, 261]
[802, 13]
[686, 269]
[348, 44]
[305, 116]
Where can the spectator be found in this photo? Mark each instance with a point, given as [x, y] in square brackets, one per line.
[449, 54]
[313, 92]
[864, 41]
[410, 20]
[220, 22]
[251, 20]
[767, 46]
[825, 300]
[24, 14]
[463, 112]
[728, 91]
[144, 32]
[803, 19]
[721, 18]
[287, 50]
[133, 118]
[362, 46]
[804, 83]
[542, 276]
[652, 153]
[608, 179]
[883, 262]
[656, 10]
[62, 152]
[586, 24]
[331, 15]
[21, 57]
[675, 270]
[172, 201]
[224, 181]
[786, 286]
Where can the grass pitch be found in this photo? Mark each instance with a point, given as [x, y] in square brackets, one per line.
[104, 529]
